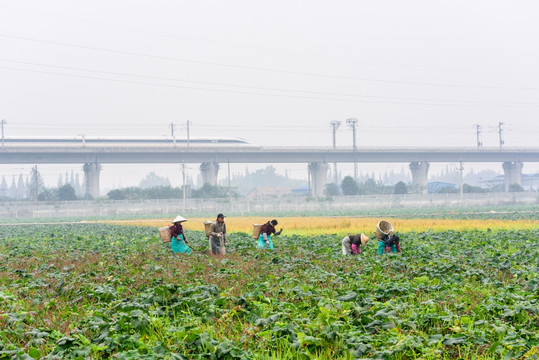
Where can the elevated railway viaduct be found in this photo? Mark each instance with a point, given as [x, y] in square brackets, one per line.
[92, 155]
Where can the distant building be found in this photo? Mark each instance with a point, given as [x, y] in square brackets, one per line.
[436, 186]
[529, 181]
[302, 190]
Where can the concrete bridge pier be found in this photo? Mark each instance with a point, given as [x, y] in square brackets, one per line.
[91, 179]
[209, 171]
[319, 174]
[513, 173]
[420, 170]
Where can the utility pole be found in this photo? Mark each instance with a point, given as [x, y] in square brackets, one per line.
[184, 188]
[228, 175]
[35, 184]
[334, 126]
[478, 131]
[3, 122]
[309, 193]
[461, 169]
[172, 128]
[229, 190]
[500, 134]
[188, 123]
[352, 122]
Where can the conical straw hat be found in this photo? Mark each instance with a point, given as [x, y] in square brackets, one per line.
[364, 239]
[179, 219]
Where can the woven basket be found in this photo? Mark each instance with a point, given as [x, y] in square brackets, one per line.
[207, 228]
[164, 232]
[383, 229]
[257, 228]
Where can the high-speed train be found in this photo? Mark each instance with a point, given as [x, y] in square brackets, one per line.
[86, 141]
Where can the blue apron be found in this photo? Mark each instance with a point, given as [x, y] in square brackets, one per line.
[179, 246]
[262, 244]
[382, 248]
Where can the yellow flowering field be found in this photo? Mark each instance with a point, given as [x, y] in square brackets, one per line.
[344, 225]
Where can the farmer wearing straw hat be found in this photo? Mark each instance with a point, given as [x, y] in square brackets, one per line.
[218, 238]
[352, 244]
[388, 241]
[178, 242]
[264, 240]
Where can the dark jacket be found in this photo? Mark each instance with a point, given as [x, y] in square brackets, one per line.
[355, 239]
[267, 228]
[176, 230]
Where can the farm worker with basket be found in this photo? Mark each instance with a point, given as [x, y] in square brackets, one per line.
[217, 233]
[264, 240]
[178, 242]
[351, 244]
[388, 241]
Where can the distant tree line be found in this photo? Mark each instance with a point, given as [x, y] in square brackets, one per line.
[31, 187]
[207, 191]
[350, 187]
[466, 188]
[138, 193]
[63, 193]
[371, 187]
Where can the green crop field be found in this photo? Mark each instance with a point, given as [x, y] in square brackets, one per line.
[93, 291]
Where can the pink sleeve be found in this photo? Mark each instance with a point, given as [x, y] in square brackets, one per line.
[355, 249]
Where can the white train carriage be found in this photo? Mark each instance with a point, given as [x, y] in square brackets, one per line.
[108, 142]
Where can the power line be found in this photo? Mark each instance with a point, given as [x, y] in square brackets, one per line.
[232, 129]
[246, 86]
[36, 125]
[97, 129]
[268, 94]
[256, 87]
[198, 39]
[253, 68]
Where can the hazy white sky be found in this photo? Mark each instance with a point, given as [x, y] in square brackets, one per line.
[275, 72]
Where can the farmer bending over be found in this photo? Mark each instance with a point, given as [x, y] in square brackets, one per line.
[352, 244]
[389, 244]
[178, 242]
[264, 240]
[388, 241]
